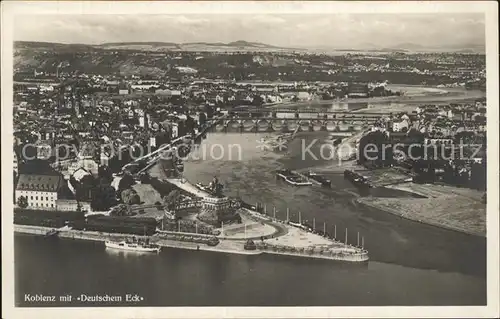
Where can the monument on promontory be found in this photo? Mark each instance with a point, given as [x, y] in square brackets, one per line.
[217, 208]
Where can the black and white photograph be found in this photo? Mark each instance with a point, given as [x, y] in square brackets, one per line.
[278, 156]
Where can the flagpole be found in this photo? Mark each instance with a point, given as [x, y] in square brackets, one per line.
[335, 233]
[346, 236]
[314, 224]
[358, 240]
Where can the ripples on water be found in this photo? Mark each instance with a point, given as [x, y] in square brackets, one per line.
[411, 263]
[388, 238]
[196, 278]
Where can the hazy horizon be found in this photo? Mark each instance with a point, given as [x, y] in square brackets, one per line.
[436, 30]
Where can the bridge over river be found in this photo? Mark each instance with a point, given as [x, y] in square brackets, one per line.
[300, 113]
[267, 124]
[254, 120]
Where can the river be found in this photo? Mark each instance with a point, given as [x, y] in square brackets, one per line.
[410, 263]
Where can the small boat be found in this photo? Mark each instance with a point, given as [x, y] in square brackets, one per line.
[51, 233]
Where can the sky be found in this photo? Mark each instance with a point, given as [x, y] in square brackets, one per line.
[287, 30]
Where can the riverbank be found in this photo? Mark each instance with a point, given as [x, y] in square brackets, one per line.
[408, 102]
[446, 212]
[445, 206]
[448, 207]
[454, 208]
[223, 246]
[292, 241]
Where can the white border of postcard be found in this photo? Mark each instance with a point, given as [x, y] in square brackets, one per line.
[490, 9]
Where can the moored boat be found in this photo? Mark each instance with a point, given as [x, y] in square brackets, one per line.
[133, 245]
[292, 178]
[319, 179]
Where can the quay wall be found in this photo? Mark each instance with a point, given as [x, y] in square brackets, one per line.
[222, 247]
[347, 257]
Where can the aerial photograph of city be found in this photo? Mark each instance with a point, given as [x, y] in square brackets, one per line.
[166, 160]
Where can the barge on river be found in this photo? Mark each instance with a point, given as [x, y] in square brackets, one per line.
[292, 178]
[357, 179]
[318, 179]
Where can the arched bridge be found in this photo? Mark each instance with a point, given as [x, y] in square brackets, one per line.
[265, 124]
[287, 112]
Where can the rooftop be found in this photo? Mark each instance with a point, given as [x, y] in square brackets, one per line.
[36, 182]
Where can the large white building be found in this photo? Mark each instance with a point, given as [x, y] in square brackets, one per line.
[41, 191]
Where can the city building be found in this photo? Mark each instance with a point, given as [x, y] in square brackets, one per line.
[400, 126]
[71, 205]
[85, 160]
[41, 191]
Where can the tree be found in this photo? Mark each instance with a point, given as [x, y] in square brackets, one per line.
[121, 210]
[202, 119]
[126, 182]
[375, 149]
[103, 197]
[83, 188]
[210, 111]
[172, 199]
[257, 100]
[158, 205]
[145, 178]
[105, 172]
[22, 201]
[130, 197]
[190, 125]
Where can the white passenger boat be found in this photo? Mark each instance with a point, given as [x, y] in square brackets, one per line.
[133, 246]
